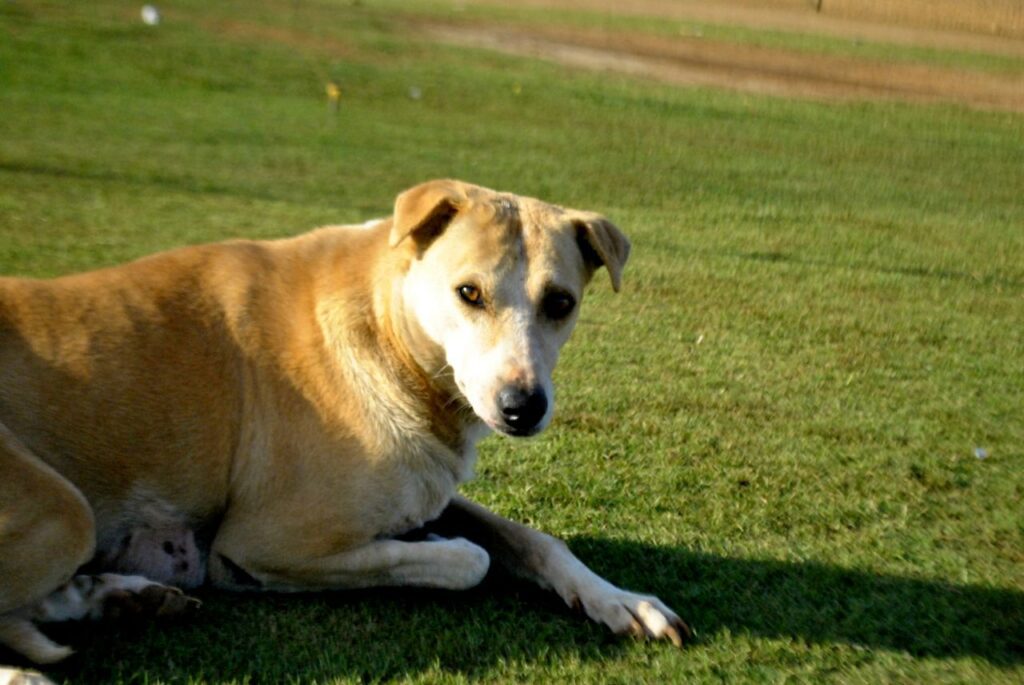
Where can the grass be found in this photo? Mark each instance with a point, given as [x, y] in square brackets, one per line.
[773, 427]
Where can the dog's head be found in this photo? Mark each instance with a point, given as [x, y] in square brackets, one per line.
[495, 283]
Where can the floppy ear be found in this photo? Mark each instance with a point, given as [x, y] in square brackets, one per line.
[602, 244]
[425, 210]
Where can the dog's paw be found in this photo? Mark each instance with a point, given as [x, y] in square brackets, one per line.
[465, 563]
[17, 676]
[134, 600]
[628, 613]
[22, 635]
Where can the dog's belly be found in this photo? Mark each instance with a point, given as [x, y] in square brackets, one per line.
[150, 538]
[167, 555]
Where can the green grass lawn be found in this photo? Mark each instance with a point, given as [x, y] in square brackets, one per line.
[773, 427]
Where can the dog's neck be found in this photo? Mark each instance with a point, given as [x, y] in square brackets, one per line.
[398, 377]
[420, 362]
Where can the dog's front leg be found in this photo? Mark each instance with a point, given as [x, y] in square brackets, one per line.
[547, 561]
[450, 564]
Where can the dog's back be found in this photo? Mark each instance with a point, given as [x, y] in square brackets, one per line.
[136, 382]
[91, 370]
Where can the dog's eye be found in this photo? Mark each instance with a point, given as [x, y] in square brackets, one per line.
[471, 295]
[558, 305]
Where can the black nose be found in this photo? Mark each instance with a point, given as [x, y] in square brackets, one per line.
[522, 408]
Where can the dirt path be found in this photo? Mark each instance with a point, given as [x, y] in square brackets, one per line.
[688, 60]
[991, 26]
[692, 61]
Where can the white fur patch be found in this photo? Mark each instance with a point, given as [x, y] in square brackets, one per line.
[621, 610]
[474, 434]
[16, 676]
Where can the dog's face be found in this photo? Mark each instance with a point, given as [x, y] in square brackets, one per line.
[496, 282]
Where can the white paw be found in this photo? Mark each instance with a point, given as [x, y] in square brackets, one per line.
[118, 596]
[16, 676]
[466, 563]
[628, 613]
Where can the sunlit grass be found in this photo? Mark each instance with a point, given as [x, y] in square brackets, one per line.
[773, 427]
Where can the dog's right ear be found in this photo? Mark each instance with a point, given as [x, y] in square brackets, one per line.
[425, 210]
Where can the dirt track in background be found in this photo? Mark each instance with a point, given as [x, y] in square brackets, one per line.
[995, 26]
[688, 60]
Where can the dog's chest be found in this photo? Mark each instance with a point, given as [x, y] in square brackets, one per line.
[416, 497]
[415, 506]
[420, 489]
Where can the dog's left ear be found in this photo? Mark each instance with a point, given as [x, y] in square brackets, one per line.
[425, 210]
[602, 244]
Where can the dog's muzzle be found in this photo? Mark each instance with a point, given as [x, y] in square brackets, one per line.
[522, 409]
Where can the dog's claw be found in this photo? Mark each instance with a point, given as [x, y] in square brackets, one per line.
[641, 616]
[678, 633]
[684, 632]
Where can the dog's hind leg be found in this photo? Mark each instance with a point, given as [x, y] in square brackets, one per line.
[46, 532]
[105, 596]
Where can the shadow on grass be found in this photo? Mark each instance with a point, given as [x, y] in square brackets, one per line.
[382, 634]
[821, 603]
[986, 278]
[890, 270]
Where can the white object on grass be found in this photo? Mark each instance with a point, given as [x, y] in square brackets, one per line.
[150, 15]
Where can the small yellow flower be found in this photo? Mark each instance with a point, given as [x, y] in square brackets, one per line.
[333, 91]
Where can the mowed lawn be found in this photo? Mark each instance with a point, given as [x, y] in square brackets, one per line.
[777, 426]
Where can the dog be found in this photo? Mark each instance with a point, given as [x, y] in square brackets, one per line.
[278, 415]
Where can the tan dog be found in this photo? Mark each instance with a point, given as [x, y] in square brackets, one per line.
[273, 414]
